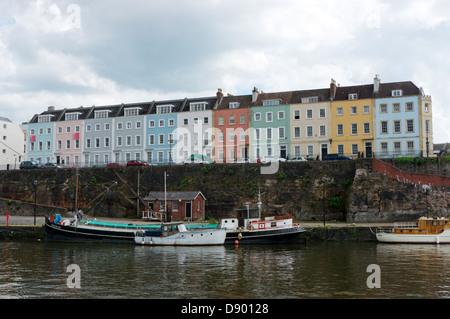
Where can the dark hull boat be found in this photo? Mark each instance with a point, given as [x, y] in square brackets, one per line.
[269, 230]
[93, 230]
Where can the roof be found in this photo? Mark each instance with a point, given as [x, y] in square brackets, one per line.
[188, 195]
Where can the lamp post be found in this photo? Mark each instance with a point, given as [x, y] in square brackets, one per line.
[35, 189]
[324, 180]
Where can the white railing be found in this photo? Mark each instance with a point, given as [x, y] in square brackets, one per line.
[405, 225]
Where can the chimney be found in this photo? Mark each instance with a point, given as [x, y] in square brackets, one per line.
[254, 95]
[332, 89]
[376, 84]
[50, 108]
[219, 95]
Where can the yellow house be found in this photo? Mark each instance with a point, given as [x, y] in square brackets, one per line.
[352, 126]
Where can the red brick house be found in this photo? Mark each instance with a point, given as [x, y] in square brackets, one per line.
[180, 205]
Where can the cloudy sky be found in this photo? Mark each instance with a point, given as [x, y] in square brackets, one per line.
[80, 52]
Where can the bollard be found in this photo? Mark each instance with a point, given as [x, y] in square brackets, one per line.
[7, 218]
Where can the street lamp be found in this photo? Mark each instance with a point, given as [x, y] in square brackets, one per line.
[324, 180]
[35, 189]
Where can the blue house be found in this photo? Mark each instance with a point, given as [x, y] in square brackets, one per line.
[397, 124]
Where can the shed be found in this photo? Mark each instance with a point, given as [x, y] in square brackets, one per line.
[180, 205]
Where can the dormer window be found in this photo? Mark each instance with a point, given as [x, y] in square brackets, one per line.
[353, 96]
[198, 106]
[311, 99]
[397, 92]
[271, 102]
[44, 118]
[233, 105]
[164, 109]
[101, 114]
[132, 111]
[72, 116]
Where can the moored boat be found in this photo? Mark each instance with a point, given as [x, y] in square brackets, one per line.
[176, 234]
[268, 230]
[425, 230]
[95, 230]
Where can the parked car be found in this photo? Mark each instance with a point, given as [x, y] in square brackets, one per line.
[269, 159]
[29, 165]
[51, 165]
[331, 157]
[114, 165]
[297, 159]
[136, 163]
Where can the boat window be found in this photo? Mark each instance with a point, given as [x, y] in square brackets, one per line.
[434, 223]
[428, 223]
[440, 223]
[273, 224]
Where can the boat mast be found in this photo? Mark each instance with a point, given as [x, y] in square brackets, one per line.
[259, 201]
[76, 192]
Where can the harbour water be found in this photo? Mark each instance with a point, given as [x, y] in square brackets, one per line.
[332, 270]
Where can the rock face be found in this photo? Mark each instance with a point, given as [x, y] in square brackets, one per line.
[345, 190]
[376, 198]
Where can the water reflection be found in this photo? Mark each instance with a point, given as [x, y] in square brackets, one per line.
[314, 270]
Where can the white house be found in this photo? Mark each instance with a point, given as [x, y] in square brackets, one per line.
[11, 144]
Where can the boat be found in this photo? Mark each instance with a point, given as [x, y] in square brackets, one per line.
[176, 234]
[81, 229]
[268, 230]
[425, 230]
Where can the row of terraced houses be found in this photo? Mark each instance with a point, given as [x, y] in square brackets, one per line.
[377, 119]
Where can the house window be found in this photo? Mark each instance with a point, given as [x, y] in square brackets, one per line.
[354, 129]
[44, 118]
[151, 124]
[269, 133]
[310, 151]
[296, 114]
[383, 108]
[231, 120]
[185, 121]
[101, 114]
[309, 114]
[269, 117]
[258, 116]
[233, 105]
[353, 96]
[322, 130]
[171, 122]
[72, 116]
[397, 92]
[340, 129]
[339, 111]
[281, 133]
[366, 109]
[354, 110]
[409, 107]
[384, 127]
[355, 149]
[397, 127]
[309, 131]
[410, 147]
[220, 120]
[297, 131]
[281, 115]
[396, 107]
[161, 123]
[397, 148]
[297, 150]
[409, 126]
[151, 139]
[322, 113]
[161, 139]
[384, 148]
[340, 149]
[366, 128]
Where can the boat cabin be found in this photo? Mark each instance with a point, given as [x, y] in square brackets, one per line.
[270, 222]
[167, 229]
[424, 225]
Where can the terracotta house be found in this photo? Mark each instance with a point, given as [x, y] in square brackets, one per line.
[180, 205]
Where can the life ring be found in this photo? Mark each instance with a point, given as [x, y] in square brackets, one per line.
[239, 236]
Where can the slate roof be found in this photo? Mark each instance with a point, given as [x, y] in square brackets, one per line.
[173, 195]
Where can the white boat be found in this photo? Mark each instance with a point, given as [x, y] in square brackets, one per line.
[176, 234]
[268, 230]
[425, 230]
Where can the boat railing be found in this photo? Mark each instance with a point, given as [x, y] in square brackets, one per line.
[405, 225]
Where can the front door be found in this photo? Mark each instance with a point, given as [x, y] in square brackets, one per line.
[283, 153]
[324, 149]
[188, 209]
[369, 149]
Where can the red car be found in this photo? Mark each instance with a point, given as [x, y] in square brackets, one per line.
[136, 163]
